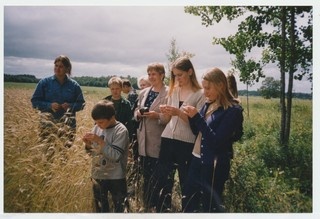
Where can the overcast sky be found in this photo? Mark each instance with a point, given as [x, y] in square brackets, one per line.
[123, 40]
[109, 40]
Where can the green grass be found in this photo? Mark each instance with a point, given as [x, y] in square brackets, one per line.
[15, 85]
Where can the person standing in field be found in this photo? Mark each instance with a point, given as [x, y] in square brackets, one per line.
[58, 97]
[107, 143]
[143, 82]
[129, 92]
[151, 126]
[232, 85]
[218, 125]
[121, 105]
[177, 138]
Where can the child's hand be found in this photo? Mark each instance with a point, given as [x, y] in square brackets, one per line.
[162, 108]
[87, 138]
[171, 110]
[87, 141]
[96, 142]
[93, 138]
[191, 111]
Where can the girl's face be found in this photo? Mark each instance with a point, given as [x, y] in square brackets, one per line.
[210, 90]
[155, 78]
[143, 84]
[59, 69]
[125, 89]
[182, 78]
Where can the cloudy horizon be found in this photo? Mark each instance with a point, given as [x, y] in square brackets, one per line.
[109, 40]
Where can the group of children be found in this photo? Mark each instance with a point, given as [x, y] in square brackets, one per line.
[215, 119]
[184, 127]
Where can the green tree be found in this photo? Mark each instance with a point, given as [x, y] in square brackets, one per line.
[174, 54]
[270, 88]
[238, 45]
[283, 41]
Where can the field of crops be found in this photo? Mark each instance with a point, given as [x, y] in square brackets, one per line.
[264, 176]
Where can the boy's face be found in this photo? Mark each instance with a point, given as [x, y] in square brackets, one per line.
[103, 123]
[115, 91]
[125, 89]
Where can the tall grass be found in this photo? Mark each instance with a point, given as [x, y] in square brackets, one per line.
[264, 176]
[261, 180]
[32, 183]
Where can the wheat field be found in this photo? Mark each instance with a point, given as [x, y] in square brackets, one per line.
[45, 176]
[32, 183]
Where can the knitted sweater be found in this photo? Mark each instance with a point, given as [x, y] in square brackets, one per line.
[177, 128]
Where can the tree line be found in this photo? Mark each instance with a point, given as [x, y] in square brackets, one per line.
[83, 80]
[267, 90]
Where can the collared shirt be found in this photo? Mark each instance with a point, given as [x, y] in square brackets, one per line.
[49, 90]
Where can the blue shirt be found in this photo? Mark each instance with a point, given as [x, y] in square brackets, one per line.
[49, 90]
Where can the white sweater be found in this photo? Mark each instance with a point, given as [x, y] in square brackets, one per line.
[177, 128]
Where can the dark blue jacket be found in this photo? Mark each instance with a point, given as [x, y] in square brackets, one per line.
[219, 131]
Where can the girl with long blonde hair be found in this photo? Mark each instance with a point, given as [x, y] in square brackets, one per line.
[218, 125]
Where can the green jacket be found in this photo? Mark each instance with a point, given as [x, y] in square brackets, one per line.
[123, 113]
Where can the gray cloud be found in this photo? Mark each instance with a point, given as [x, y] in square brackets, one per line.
[103, 40]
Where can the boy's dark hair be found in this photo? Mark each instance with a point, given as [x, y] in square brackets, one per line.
[126, 82]
[104, 109]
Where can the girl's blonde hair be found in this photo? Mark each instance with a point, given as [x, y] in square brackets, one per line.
[218, 79]
[183, 64]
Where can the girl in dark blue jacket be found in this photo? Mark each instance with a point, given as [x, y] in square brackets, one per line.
[217, 125]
